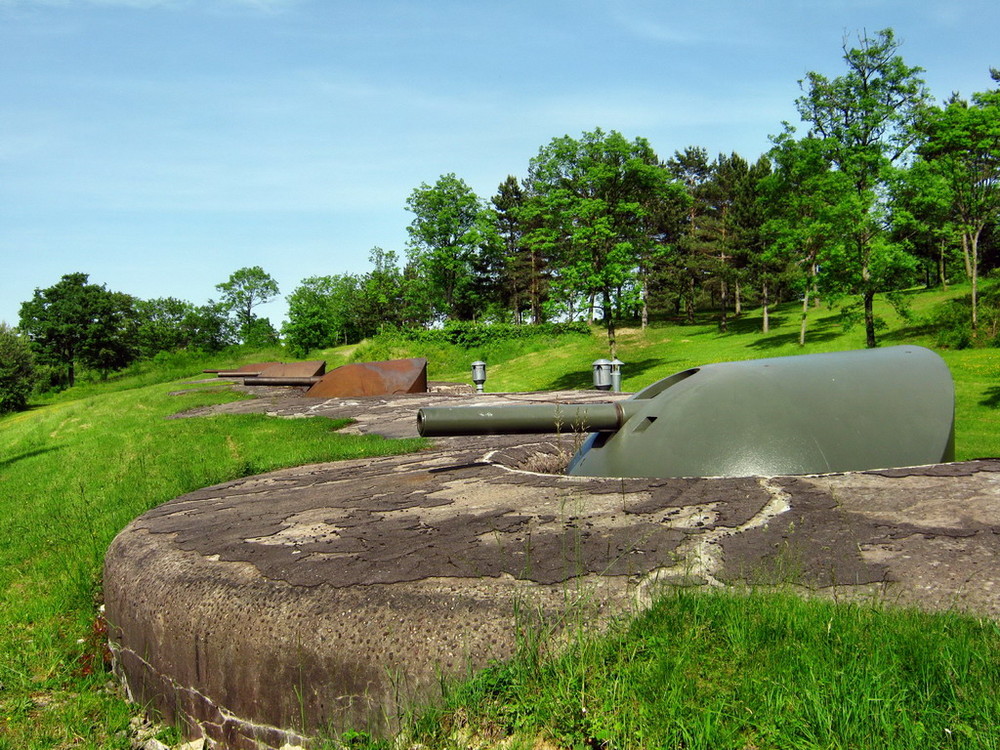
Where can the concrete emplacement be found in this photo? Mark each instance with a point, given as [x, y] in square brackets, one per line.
[261, 611]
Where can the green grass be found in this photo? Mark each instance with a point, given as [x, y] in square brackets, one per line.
[72, 474]
[712, 670]
[663, 349]
[754, 671]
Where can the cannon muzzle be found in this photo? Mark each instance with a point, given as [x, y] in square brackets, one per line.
[807, 414]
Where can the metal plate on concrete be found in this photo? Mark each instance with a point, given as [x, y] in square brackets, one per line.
[295, 370]
[246, 371]
[373, 379]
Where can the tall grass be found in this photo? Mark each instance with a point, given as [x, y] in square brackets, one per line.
[714, 670]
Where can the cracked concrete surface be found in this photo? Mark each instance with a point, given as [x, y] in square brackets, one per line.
[261, 609]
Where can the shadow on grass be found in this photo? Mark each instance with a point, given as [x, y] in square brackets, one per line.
[585, 378]
[784, 339]
[906, 335]
[992, 399]
[6, 462]
[752, 324]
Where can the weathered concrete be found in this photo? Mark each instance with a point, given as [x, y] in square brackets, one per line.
[337, 593]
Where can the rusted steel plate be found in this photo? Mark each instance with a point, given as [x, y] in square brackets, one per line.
[295, 370]
[373, 379]
[247, 371]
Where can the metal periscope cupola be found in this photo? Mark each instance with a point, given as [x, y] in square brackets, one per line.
[807, 414]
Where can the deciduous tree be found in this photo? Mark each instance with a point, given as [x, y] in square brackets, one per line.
[453, 245]
[962, 143]
[865, 120]
[809, 211]
[322, 312]
[246, 289]
[160, 325]
[17, 370]
[74, 322]
[594, 199]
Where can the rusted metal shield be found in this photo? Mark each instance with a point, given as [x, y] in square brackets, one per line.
[247, 371]
[295, 370]
[373, 379]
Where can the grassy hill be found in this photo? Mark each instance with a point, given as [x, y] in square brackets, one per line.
[662, 349]
[78, 466]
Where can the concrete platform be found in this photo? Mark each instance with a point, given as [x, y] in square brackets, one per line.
[259, 611]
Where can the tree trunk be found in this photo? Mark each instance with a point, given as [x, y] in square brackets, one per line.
[645, 303]
[689, 313]
[766, 326]
[609, 320]
[810, 286]
[737, 300]
[868, 295]
[805, 317]
[536, 304]
[942, 272]
[974, 253]
[723, 304]
[869, 300]
[965, 255]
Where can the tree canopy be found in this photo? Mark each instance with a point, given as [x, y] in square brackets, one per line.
[74, 322]
[245, 289]
[864, 121]
[17, 370]
[592, 201]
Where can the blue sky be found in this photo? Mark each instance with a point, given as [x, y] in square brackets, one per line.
[159, 145]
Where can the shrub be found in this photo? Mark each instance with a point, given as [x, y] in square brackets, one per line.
[17, 370]
[953, 319]
[472, 335]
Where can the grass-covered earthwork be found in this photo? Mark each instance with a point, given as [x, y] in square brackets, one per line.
[747, 671]
[74, 472]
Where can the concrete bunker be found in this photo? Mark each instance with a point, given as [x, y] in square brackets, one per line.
[262, 611]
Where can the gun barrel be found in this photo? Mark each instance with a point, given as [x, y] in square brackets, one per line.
[287, 380]
[437, 421]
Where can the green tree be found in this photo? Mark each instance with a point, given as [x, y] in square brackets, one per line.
[382, 297]
[208, 327]
[246, 289]
[160, 325]
[694, 260]
[661, 274]
[729, 176]
[322, 312]
[747, 215]
[260, 334]
[808, 217]
[17, 370]
[525, 278]
[865, 120]
[76, 323]
[453, 245]
[595, 200]
[962, 144]
[922, 219]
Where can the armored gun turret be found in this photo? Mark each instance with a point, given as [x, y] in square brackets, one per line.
[808, 414]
